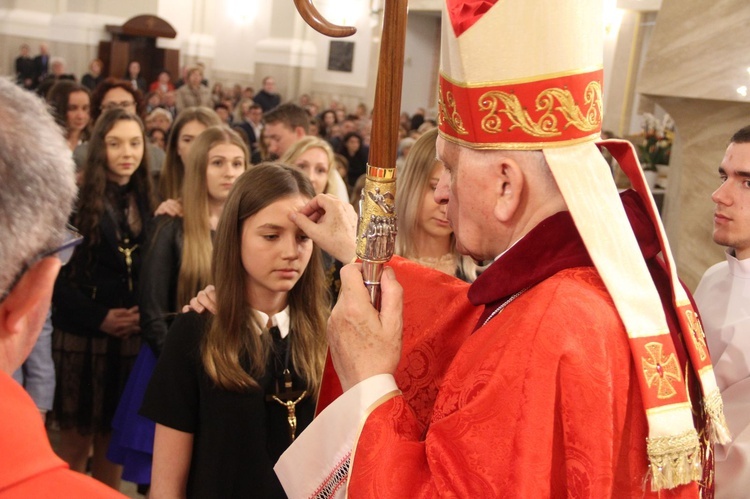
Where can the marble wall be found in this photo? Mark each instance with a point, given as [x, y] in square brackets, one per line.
[696, 61]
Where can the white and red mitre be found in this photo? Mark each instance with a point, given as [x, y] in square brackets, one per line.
[527, 75]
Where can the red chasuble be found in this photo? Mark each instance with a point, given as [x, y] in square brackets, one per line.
[542, 400]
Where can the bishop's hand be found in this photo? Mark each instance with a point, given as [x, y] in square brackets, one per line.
[363, 342]
[331, 224]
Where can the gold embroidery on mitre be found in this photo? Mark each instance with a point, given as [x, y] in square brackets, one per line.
[497, 103]
[453, 119]
[697, 331]
[660, 370]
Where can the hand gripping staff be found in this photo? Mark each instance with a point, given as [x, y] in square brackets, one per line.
[376, 232]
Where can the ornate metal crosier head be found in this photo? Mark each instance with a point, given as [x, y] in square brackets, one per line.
[376, 231]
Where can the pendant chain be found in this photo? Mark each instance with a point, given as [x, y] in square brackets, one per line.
[504, 304]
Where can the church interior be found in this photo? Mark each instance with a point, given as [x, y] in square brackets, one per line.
[663, 59]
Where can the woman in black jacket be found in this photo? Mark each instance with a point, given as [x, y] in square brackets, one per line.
[96, 335]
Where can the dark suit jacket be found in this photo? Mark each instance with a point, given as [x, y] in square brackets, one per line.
[41, 66]
[252, 140]
[267, 101]
[140, 82]
[24, 70]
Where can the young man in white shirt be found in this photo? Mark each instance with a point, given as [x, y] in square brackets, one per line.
[723, 298]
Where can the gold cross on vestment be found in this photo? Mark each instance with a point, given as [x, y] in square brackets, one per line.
[697, 331]
[661, 370]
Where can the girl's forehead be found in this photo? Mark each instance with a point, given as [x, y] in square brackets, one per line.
[277, 212]
[124, 127]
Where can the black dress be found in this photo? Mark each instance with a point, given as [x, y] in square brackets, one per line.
[91, 367]
[238, 436]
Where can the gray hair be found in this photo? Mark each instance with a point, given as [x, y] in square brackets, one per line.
[37, 181]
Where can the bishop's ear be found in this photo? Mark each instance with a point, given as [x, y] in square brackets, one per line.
[509, 186]
[26, 306]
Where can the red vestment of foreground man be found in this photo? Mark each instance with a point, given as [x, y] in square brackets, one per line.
[535, 414]
[586, 374]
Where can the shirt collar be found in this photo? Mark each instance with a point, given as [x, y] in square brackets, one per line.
[738, 268]
[280, 320]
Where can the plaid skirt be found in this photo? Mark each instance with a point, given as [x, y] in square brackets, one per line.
[91, 375]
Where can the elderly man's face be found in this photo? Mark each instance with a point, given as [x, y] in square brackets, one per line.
[732, 198]
[465, 187]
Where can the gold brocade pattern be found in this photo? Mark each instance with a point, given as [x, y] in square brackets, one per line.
[548, 125]
[697, 331]
[662, 371]
[452, 118]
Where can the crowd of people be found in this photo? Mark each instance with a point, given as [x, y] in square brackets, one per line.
[526, 344]
[155, 164]
[158, 104]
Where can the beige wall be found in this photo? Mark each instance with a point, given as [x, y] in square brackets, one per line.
[695, 62]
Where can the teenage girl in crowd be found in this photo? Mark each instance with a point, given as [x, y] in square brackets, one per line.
[96, 337]
[186, 127]
[314, 156]
[110, 94]
[219, 394]
[176, 266]
[424, 234]
[71, 107]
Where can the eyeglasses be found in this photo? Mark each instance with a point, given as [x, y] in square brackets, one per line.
[64, 252]
[116, 105]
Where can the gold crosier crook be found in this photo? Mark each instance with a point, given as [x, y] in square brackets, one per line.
[376, 231]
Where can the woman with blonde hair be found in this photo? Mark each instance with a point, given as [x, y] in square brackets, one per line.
[424, 233]
[226, 386]
[315, 158]
[176, 266]
[186, 127]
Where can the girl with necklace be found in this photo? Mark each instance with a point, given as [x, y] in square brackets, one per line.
[96, 336]
[176, 266]
[231, 391]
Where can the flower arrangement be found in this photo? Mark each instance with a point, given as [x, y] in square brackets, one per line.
[656, 144]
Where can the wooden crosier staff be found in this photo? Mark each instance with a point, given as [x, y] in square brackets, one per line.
[376, 232]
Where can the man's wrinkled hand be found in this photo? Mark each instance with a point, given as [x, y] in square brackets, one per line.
[331, 224]
[363, 342]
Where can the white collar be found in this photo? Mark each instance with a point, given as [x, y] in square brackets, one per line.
[280, 320]
[738, 268]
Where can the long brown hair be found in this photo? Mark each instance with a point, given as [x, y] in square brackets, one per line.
[92, 199]
[232, 339]
[173, 170]
[195, 267]
[413, 179]
[58, 99]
